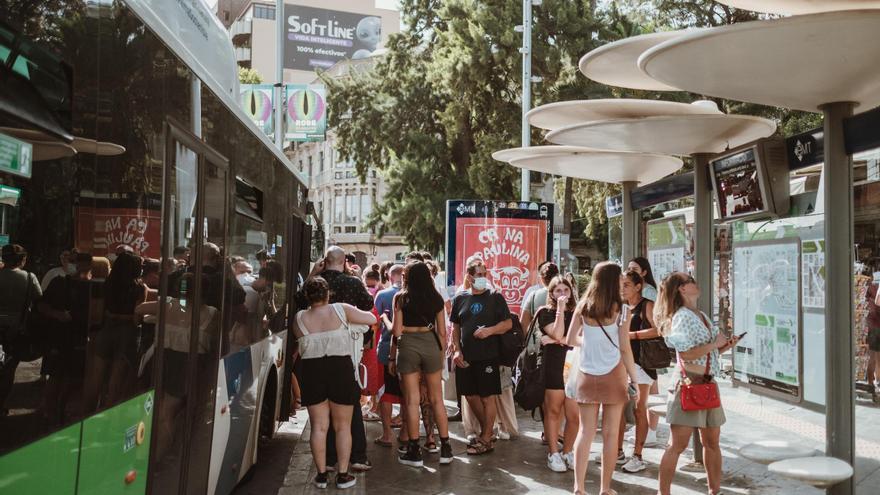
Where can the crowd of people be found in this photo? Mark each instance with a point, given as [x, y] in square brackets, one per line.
[417, 345]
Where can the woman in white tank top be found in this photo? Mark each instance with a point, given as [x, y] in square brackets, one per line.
[606, 360]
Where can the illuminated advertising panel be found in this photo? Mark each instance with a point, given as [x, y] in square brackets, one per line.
[511, 238]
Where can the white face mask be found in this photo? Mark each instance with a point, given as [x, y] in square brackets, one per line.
[481, 283]
[246, 279]
[70, 268]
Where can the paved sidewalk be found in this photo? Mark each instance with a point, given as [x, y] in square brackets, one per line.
[519, 465]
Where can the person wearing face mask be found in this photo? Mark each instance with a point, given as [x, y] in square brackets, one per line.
[478, 317]
[67, 267]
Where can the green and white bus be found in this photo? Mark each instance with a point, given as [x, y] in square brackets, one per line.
[120, 134]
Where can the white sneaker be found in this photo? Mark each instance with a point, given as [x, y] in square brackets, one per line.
[634, 465]
[503, 435]
[569, 460]
[555, 463]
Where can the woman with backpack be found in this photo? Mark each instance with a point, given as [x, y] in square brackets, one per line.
[641, 329]
[420, 325]
[554, 320]
[606, 360]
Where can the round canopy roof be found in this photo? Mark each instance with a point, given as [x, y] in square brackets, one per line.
[675, 135]
[798, 7]
[797, 62]
[616, 64]
[565, 113]
[592, 164]
[102, 148]
[79, 144]
[51, 150]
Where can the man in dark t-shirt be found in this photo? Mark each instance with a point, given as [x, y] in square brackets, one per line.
[478, 317]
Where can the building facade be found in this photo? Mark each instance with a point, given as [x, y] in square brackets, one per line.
[335, 36]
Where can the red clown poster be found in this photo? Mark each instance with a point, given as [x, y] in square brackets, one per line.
[105, 223]
[511, 241]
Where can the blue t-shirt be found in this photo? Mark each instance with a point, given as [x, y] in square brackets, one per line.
[385, 305]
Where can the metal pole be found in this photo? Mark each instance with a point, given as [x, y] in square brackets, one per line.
[703, 262]
[279, 73]
[839, 341]
[195, 112]
[628, 241]
[703, 225]
[526, 51]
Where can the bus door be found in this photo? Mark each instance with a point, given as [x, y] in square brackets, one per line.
[298, 260]
[198, 297]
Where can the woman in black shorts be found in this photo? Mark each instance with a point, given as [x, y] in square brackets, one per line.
[326, 374]
[553, 320]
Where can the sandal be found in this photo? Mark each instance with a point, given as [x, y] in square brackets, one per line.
[431, 447]
[379, 441]
[479, 448]
[371, 416]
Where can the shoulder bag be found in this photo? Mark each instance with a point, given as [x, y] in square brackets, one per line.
[653, 353]
[698, 396]
[357, 346]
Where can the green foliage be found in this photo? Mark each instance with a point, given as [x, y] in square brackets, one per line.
[249, 76]
[445, 96]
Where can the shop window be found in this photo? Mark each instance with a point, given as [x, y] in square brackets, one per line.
[264, 12]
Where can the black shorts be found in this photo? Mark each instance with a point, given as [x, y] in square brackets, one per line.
[554, 364]
[873, 339]
[328, 378]
[480, 378]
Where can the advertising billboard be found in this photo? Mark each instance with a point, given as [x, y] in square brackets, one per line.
[104, 223]
[318, 38]
[306, 112]
[511, 238]
[258, 103]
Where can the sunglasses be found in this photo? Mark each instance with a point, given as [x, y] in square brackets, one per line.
[689, 280]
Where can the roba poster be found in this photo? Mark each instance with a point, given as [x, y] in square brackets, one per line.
[511, 241]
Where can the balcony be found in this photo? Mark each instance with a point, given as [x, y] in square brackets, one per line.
[243, 55]
[240, 31]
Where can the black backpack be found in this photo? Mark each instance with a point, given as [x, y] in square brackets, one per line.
[528, 375]
[512, 343]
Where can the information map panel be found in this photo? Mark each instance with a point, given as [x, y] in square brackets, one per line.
[667, 242]
[766, 304]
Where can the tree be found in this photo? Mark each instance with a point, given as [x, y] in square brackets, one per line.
[249, 76]
[445, 96]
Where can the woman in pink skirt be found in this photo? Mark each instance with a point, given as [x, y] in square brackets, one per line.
[606, 360]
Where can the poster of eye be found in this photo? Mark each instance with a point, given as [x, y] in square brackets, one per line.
[511, 238]
[667, 242]
[766, 304]
[306, 112]
[258, 103]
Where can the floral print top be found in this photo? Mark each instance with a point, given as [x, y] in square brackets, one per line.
[689, 331]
